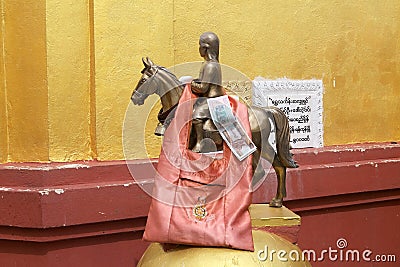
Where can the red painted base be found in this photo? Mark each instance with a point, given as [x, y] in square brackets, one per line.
[93, 213]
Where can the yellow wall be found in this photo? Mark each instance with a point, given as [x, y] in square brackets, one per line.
[124, 31]
[354, 42]
[3, 110]
[70, 68]
[24, 54]
[45, 93]
[69, 84]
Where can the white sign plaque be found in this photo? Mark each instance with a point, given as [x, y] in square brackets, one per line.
[301, 101]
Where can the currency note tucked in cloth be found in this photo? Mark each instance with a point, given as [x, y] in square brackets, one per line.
[230, 128]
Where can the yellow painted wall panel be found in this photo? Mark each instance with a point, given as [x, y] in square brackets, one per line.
[68, 65]
[3, 110]
[354, 43]
[352, 46]
[124, 31]
[3, 123]
[26, 79]
[68, 71]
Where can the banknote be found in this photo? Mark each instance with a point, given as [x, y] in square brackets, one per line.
[230, 128]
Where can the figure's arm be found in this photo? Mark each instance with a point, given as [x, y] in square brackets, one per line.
[199, 87]
[203, 84]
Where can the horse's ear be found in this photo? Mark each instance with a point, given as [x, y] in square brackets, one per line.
[145, 63]
[149, 61]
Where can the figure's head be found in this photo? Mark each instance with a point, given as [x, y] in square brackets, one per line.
[209, 45]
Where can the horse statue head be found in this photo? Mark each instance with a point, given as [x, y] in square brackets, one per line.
[158, 80]
[145, 87]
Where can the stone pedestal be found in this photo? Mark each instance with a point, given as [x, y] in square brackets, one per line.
[274, 234]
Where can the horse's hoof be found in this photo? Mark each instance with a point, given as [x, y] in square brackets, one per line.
[276, 203]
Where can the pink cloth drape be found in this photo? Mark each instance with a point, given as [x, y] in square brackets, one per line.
[199, 199]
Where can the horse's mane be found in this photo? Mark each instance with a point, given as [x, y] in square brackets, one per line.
[179, 85]
[167, 71]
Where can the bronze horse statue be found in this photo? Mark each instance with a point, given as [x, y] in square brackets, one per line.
[159, 80]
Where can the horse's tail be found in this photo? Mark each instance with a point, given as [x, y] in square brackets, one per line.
[282, 137]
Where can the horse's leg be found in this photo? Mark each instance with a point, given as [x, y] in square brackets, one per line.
[281, 187]
[258, 171]
[261, 129]
[259, 122]
[280, 172]
[268, 153]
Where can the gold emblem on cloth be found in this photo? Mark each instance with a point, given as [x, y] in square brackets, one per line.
[199, 210]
